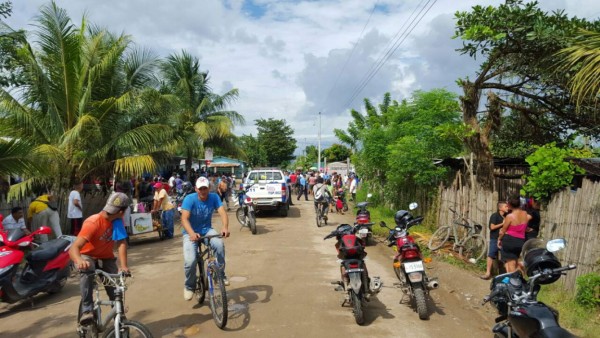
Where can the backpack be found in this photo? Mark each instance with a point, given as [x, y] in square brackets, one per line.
[319, 195]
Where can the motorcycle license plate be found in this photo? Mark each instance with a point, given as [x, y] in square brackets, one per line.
[413, 266]
[363, 232]
[354, 270]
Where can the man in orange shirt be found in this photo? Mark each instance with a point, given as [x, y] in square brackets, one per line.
[93, 249]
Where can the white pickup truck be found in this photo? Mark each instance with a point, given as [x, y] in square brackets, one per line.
[268, 190]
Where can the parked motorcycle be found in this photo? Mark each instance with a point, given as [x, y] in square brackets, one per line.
[408, 261]
[46, 268]
[245, 212]
[354, 275]
[186, 189]
[521, 314]
[363, 221]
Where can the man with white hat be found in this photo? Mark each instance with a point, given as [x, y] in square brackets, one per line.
[196, 217]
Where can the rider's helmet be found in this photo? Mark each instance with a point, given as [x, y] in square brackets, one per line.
[402, 217]
[187, 187]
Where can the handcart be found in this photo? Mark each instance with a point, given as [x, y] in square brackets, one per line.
[142, 221]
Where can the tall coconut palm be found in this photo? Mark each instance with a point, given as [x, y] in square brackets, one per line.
[79, 85]
[200, 119]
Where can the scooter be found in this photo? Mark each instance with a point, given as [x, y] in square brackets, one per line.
[46, 268]
[363, 223]
[520, 313]
[245, 213]
[408, 261]
[355, 277]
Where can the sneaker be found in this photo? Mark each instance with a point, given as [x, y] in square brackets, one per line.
[86, 318]
[225, 281]
[187, 294]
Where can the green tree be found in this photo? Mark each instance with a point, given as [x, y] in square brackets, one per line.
[337, 152]
[72, 107]
[312, 154]
[276, 138]
[518, 43]
[198, 116]
[10, 42]
[253, 151]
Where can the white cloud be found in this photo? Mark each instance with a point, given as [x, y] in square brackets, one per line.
[285, 56]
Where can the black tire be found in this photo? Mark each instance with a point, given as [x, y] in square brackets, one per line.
[318, 213]
[439, 238]
[132, 328]
[252, 223]
[357, 308]
[420, 301]
[239, 214]
[200, 292]
[57, 285]
[283, 209]
[345, 209]
[218, 299]
[474, 247]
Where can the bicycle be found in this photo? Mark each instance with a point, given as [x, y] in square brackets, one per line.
[471, 245]
[211, 279]
[122, 327]
[320, 213]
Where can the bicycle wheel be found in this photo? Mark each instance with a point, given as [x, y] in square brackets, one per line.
[200, 291]
[318, 212]
[239, 214]
[473, 247]
[252, 222]
[439, 238]
[218, 297]
[130, 329]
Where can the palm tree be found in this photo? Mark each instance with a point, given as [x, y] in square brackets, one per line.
[74, 105]
[584, 57]
[200, 119]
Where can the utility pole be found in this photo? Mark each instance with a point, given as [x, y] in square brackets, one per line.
[319, 157]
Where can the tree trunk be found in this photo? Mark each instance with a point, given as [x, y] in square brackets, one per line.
[478, 140]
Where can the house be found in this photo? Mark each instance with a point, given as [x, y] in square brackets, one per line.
[222, 165]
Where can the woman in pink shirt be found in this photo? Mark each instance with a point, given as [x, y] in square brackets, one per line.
[512, 234]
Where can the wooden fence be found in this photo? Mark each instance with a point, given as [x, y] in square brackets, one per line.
[573, 215]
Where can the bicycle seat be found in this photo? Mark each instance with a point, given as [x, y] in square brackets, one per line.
[478, 228]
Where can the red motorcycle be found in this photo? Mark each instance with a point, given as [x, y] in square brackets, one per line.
[355, 277]
[408, 261]
[363, 224]
[46, 269]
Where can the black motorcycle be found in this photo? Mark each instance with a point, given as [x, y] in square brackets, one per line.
[521, 314]
[245, 213]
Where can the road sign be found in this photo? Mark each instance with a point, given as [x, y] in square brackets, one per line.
[208, 162]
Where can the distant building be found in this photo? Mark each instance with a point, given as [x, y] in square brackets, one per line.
[222, 165]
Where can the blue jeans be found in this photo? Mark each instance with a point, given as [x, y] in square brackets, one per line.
[167, 222]
[190, 249]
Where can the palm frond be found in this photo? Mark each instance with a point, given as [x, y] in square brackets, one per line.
[16, 159]
[134, 165]
[20, 190]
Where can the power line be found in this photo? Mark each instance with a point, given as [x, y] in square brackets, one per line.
[351, 53]
[399, 39]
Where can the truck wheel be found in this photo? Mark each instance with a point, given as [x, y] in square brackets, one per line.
[283, 210]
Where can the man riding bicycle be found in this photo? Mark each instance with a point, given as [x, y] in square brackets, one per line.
[322, 196]
[196, 215]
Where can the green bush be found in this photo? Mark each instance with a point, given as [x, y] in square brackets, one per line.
[588, 290]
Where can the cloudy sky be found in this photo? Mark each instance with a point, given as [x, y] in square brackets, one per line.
[293, 59]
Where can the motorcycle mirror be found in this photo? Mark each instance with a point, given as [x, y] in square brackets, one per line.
[382, 223]
[556, 244]
[369, 195]
[413, 206]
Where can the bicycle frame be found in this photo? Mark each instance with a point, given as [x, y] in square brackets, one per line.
[211, 261]
[457, 222]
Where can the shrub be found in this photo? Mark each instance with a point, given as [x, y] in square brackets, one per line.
[588, 290]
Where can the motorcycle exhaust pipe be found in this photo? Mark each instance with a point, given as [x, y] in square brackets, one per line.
[432, 285]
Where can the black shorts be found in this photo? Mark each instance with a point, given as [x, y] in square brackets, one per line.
[511, 247]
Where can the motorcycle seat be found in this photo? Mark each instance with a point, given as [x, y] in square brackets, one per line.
[556, 332]
[48, 250]
[361, 204]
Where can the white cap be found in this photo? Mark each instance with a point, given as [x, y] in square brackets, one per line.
[202, 182]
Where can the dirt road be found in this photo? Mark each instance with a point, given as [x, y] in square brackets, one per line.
[280, 287]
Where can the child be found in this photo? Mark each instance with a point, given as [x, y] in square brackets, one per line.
[339, 205]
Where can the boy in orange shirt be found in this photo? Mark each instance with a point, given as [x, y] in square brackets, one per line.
[93, 249]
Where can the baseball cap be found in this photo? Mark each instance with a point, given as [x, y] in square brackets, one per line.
[115, 202]
[202, 182]
[158, 185]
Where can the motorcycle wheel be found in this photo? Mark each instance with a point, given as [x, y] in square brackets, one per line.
[252, 223]
[239, 214]
[439, 238]
[420, 301]
[357, 308]
[57, 286]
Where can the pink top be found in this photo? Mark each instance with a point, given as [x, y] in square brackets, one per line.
[517, 231]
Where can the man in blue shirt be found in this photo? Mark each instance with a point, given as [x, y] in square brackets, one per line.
[196, 216]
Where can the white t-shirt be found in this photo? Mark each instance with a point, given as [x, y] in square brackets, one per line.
[9, 223]
[171, 181]
[74, 212]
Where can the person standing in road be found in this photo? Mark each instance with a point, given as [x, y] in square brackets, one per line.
[161, 202]
[496, 221]
[222, 189]
[196, 217]
[75, 209]
[512, 234]
[353, 186]
[312, 180]
[303, 188]
[93, 248]
[533, 227]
